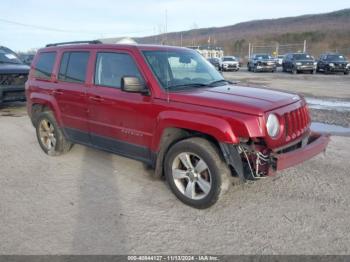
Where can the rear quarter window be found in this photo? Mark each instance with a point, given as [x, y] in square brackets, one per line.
[44, 65]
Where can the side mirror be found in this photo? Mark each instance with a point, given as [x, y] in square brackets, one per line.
[132, 84]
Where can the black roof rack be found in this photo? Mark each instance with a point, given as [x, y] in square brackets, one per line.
[76, 42]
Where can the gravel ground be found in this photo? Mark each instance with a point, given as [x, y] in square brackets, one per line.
[93, 202]
[331, 117]
[318, 85]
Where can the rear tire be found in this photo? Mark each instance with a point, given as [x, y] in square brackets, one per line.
[346, 72]
[196, 173]
[50, 136]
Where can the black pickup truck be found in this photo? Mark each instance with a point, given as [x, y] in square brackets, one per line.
[13, 75]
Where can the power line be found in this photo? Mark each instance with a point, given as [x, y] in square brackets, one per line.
[63, 30]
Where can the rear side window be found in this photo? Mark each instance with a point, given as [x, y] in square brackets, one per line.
[73, 67]
[44, 65]
[111, 67]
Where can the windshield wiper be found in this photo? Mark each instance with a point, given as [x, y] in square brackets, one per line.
[188, 85]
[218, 82]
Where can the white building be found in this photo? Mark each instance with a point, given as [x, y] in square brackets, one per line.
[209, 51]
[118, 40]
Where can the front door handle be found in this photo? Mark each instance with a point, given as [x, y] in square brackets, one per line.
[96, 98]
[57, 92]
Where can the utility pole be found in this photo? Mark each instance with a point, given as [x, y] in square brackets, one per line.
[166, 26]
[249, 49]
[304, 46]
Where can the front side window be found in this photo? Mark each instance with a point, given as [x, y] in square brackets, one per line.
[181, 69]
[73, 67]
[43, 67]
[112, 67]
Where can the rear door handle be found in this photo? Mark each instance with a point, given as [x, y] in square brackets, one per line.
[96, 98]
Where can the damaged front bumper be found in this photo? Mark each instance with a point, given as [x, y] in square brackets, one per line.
[253, 161]
[10, 93]
[310, 147]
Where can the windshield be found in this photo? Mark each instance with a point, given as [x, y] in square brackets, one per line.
[302, 57]
[182, 69]
[8, 57]
[229, 59]
[335, 58]
[261, 57]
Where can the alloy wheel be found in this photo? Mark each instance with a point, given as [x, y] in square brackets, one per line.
[191, 175]
[47, 134]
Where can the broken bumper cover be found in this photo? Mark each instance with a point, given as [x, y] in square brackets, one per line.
[316, 144]
[9, 93]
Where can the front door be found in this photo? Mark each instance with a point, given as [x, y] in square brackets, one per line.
[119, 121]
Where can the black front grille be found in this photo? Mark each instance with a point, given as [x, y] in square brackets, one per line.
[13, 79]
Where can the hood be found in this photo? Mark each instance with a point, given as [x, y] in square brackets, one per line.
[254, 101]
[266, 60]
[14, 69]
[304, 61]
[337, 62]
[230, 62]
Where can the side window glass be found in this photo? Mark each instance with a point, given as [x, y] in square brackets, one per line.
[73, 67]
[43, 67]
[111, 67]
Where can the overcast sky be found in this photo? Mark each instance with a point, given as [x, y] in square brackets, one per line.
[43, 21]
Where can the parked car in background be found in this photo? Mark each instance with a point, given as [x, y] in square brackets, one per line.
[26, 58]
[299, 62]
[333, 62]
[229, 63]
[13, 75]
[215, 61]
[166, 106]
[279, 60]
[261, 63]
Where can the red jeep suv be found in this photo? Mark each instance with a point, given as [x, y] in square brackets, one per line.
[170, 108]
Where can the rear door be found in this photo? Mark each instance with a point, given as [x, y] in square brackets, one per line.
[119, 121]
[70, 93]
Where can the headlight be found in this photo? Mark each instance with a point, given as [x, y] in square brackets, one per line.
[348, 65]
[272, 125]
[315, 63]
[331, 64]
[298, 63]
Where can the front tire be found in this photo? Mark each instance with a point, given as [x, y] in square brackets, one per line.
[196, 173]
[50, 136]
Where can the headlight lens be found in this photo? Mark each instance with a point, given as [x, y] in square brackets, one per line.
[315, 63]
[331, 64]
[273, 125]
[348, 65]
[298, 63]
